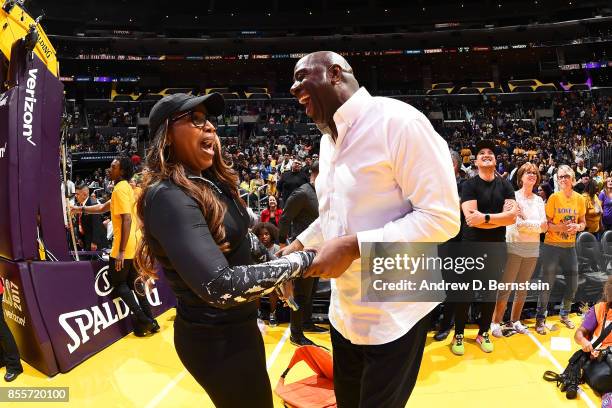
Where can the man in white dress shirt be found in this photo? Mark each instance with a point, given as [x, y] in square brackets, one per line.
[385, 175]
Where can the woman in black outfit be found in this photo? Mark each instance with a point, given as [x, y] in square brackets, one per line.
[196, 226]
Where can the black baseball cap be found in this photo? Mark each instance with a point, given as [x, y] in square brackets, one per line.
[181, 102]
[485, 144]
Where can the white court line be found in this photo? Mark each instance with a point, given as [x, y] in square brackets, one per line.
[560, 369]
[153, 403]
[278, 348]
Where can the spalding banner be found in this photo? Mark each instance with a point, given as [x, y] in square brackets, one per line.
[80, 312]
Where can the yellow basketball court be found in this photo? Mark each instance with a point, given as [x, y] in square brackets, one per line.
[146, 372]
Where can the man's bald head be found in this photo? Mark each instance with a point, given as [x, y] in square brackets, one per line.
[323, 81]
[327, 59]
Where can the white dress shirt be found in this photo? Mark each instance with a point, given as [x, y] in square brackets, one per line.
[388, 178]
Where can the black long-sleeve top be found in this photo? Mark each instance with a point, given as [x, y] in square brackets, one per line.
[211, 287]
[301, 209]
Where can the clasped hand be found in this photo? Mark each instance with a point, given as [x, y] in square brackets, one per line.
[332, 259]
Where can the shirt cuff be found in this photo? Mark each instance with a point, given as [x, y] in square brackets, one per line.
[375, 235]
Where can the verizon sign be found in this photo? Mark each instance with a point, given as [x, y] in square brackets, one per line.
[29, 104]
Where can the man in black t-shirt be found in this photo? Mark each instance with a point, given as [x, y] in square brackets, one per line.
[291, 180]
[488, 206]
[489, 198]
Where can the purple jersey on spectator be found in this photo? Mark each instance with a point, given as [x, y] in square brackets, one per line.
[607, 208]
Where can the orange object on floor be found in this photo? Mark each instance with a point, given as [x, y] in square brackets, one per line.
[316, 391]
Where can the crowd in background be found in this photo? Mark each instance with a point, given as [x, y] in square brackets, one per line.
[577, 133]
[547, 142]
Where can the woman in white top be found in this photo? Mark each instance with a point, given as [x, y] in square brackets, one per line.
[523, 240]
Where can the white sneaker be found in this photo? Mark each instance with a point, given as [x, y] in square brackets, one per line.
[519, 328]
[496, 330]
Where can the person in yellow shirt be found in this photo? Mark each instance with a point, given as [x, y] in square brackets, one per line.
[135, 183]
[256, 183]
[565, 211]
[465, 154]
[121, 269]
[518, 151]
[593, 208]
[531, 154]
[272, 180]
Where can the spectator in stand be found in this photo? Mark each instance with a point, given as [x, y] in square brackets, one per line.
[488, 205]
[523, 241]
[291, 180]
[267, 234]
[466, 154]
[544, 191]
[91, 232]
[565, 211]
[301, 209]
[256, 183]
[272, 180]
[593, 209]
[597, 178]
[272, 214]
[246, 190]
[600, 172]
[580, 169]
[266, 169]
[606, 199]
[135, 159]
[286, 164]
[581, 184]
[307, 166]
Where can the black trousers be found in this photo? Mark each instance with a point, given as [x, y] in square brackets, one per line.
[303, 292]
[9, 354]
[123, 284]
[493, 269]
[381, 376]
[228, 361]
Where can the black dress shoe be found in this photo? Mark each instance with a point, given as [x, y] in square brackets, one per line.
[313, 328]
[11, 375]
[143, 326]
[300, 341]
[155, 326]
[441, 335]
